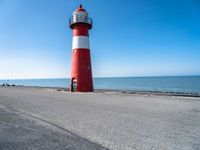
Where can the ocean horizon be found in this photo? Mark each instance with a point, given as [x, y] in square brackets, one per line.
[183, 84]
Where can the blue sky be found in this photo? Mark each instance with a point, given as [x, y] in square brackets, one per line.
[129, 38]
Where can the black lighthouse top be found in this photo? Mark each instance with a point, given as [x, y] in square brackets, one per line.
[80, 16]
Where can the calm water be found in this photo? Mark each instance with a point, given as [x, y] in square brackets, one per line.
[164, 84]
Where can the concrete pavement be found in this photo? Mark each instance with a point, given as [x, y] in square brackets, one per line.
[98, 120]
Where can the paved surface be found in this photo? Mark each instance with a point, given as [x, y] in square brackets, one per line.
[33, 118]
[22, 132]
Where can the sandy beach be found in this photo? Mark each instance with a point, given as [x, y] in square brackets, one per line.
[42, 118]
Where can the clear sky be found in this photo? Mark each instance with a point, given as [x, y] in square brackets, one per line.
[129, 37]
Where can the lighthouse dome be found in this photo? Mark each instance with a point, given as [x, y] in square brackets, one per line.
[80, 8]
[80, 11]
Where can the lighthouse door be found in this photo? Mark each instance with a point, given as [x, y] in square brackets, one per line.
[74, 85]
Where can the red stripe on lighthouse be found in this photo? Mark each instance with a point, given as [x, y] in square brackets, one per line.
[82, 29]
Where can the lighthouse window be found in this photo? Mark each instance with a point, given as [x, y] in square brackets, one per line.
[80, 18]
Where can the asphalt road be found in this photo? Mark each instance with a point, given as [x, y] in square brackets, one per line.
[34, 118]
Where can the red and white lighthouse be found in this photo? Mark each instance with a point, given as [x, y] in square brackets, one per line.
[81, 71]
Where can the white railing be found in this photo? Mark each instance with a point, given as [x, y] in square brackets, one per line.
[81, 19]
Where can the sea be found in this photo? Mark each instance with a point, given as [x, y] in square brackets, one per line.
[183, 84]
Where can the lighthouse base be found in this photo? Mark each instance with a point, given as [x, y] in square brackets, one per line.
[81, 77]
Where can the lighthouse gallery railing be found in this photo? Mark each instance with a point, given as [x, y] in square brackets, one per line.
[76, 19]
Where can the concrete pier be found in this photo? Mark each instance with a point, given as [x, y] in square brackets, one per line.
[42, 118]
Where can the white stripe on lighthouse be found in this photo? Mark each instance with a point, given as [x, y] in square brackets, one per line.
[80, 42]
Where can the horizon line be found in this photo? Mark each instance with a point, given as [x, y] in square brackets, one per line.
[104, 77]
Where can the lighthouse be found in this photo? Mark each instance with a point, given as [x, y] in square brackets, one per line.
[81, 69]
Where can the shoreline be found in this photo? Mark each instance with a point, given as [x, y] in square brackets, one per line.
[138, 92]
